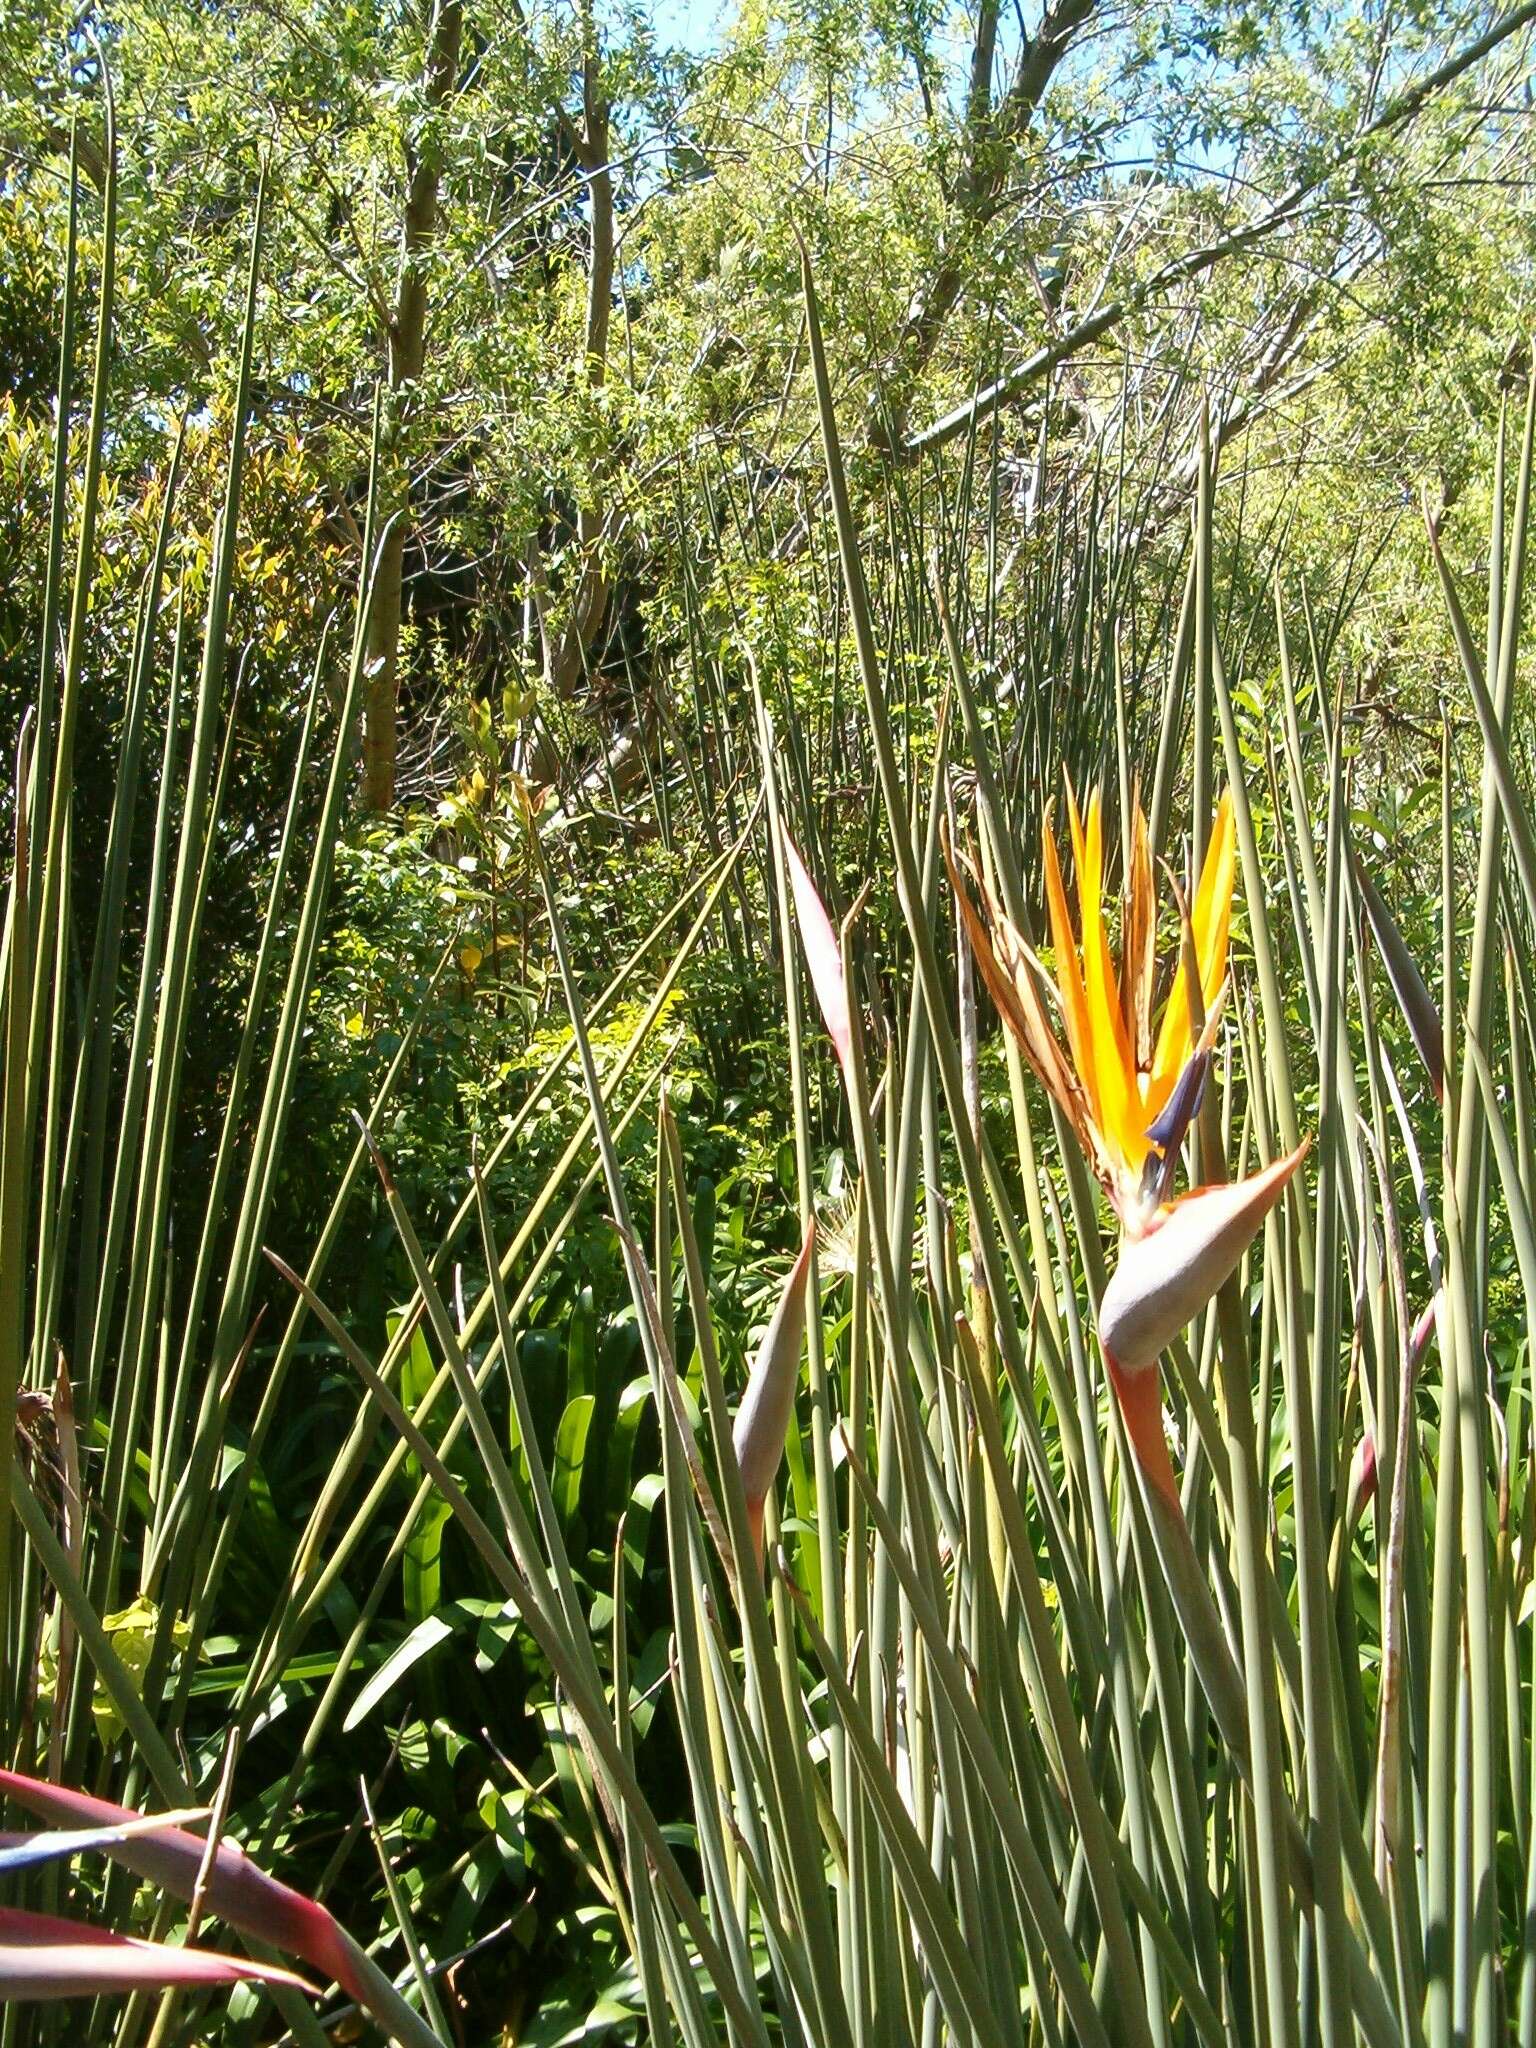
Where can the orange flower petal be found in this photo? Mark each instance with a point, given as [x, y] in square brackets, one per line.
[1211, 922]
[1009, 968]
[1138, 946]
[1212, 917]
[1119, 1097]
[1069, 980]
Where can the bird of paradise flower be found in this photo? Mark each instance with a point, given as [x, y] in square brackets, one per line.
[1128, 1094]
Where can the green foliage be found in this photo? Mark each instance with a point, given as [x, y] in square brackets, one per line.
[519, 1607]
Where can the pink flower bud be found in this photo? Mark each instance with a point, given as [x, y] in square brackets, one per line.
[762, 1421]
[823, 957]
[1362, 1478]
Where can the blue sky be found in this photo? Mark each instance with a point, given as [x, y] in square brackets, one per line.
[695, 24]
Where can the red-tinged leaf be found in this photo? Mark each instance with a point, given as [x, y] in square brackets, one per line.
[762, 1420]
[44, 1957]
[823, 957]
[235, 1890]
[26, 1852]
[1139, 1394]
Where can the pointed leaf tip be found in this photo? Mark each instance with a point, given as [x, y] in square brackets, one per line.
[43, 1956]
[762, 1421]
[1165, 1278]
[823, 958]
[1420, 1012]
[1362, 1477]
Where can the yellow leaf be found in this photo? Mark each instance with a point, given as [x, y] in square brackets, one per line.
[470, 957]
[132, 1634]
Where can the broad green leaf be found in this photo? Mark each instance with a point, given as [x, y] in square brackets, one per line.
[423, 1638]
[570, 1455]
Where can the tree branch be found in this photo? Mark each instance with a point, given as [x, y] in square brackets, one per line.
[405, 334]
[990, 139]
[589, 606]
[1196, 261]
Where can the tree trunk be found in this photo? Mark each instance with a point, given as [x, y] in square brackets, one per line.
[406, 339]
[589, 606]
[989, 144]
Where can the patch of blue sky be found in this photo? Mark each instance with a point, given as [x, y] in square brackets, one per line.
[695, 25]
[702, 26]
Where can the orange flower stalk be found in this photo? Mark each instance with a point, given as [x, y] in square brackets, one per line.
[1130, 1095]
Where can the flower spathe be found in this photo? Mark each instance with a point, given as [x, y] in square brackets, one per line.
[1129, 1094]
[1166, 1276]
